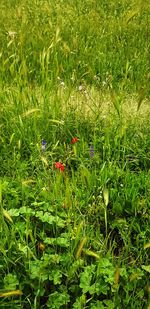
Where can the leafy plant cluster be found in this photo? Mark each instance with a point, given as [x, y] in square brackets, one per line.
[76, 237]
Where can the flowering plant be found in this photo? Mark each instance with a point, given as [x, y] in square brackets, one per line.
[43, 146]
[59, 166]
[74, 140]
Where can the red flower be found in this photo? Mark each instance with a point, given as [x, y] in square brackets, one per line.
[57, 164]
[60, 166]
[74, 140]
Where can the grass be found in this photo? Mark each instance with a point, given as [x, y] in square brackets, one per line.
[74, 155]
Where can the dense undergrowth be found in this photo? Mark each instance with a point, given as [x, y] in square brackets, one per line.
[74, 154]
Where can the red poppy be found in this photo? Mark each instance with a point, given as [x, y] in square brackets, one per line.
[74, 140]
[60, 166]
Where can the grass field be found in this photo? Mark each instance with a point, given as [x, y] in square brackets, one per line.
[74, 154]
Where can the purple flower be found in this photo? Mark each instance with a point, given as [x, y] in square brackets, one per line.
[91, 151]
[43, 146]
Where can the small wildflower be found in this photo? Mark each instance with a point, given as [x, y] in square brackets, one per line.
[59, 166]
[62, 168]
[96, 77]
[44, 143]
[86, 94]
[80, 88]
[12, 34]
[74, 140]
[91, 151]
[104, 83]
[62, 84]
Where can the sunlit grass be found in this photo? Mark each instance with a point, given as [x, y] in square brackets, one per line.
[74, 154]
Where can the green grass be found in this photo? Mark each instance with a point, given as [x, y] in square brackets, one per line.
[77, 238]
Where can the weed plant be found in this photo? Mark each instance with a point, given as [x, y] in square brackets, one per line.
[74, 154]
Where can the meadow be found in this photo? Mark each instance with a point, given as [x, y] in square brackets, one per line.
[74, 154]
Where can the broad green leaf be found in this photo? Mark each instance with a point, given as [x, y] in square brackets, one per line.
[58, 300]
[146, 268]
[97, 305]
[55, 276]
[86, 278]
[10, 282]
[26, 211]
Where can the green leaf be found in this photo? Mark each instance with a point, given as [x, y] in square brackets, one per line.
[57, 300]
[106, 270]
[97, 305]
[109, 304]
[26, 211]
[86, 278]
[102, 304]
[55, 276]
[80, 302]
[38, 270]
[14, 212]
[101, 287]
[146, 268]
[60, 241]
[10, 282]
[50, 219]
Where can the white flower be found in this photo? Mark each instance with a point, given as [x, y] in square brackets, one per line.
[62, 84]
[80, 88]
[12, 34]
